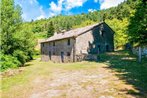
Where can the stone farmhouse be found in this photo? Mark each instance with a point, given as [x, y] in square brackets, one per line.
[78, 44]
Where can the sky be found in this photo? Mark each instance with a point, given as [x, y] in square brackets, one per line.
[40, 9]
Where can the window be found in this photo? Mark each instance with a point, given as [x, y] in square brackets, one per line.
[68, 53]
[42, 44]
[53, 43]
[53, 53]
[68, 42]
[103, 33]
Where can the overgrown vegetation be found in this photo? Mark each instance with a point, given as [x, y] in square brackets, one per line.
[17, 42]
[118, 18]
[138, 25]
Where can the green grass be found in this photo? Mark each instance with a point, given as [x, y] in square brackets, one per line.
[22, 84]
[129, 69]
[36, 68]
[121, 62]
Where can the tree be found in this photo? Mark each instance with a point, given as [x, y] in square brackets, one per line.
[137, 28]
[10, 21]
[50, 30]
[120, 28]
[17, 40]
[138, 25]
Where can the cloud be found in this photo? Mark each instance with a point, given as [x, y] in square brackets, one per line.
[91, 10]
[74, 3]
[31, 9]
[57, 8]
[42, 13]
[32, 2]
[104, 4]
[96, 1]
[64, 6]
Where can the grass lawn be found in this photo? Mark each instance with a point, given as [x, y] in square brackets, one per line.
[116, 76]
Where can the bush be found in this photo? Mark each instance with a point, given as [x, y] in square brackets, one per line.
[36, 52]
[21, 56]
[7, 61]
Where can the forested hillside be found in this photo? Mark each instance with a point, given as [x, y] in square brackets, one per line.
[18, 38]
[116, 17]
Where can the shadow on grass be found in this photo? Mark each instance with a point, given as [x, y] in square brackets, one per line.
[27, 65]
[132, 72]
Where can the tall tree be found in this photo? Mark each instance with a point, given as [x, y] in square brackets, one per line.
[120, 28]
[138, 26]
[50, 30]
[10, 20]
[15, 40]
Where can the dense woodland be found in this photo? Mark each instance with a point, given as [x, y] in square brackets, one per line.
[18, 38]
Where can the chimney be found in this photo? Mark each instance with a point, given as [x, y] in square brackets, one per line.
[63, 31]
[55, 33]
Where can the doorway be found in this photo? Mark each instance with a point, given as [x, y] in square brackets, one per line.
[107, 48]
[62, 57]
[50, 57]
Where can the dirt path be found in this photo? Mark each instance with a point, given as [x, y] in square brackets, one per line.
[84, 83]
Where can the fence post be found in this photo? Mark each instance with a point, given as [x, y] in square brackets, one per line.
[139, 54]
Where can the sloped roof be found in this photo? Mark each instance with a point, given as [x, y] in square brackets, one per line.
[71, 33]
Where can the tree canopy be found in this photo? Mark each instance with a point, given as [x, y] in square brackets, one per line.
[137, 28]
[17, 42]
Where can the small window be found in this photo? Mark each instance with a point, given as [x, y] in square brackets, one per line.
[68, 53]
[42, 44]
[53, 53]
[103, 33]
[53, 43]
[68, 42]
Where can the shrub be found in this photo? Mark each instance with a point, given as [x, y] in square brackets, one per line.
[21, 56]
[7, 61]
[36, 52]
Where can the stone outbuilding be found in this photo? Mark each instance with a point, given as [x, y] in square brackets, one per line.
[78, 44]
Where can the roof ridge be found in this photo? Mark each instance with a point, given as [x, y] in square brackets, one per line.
[71, 33]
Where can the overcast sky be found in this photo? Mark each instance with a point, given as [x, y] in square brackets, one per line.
[37, 9]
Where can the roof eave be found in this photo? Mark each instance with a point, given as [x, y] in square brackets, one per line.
[59, 39]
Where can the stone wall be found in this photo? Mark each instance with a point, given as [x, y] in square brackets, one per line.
[92, 42]
[82, 43]
[60, 46]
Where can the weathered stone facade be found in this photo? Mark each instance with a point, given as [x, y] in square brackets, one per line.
[52, 50]
[85, 45]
